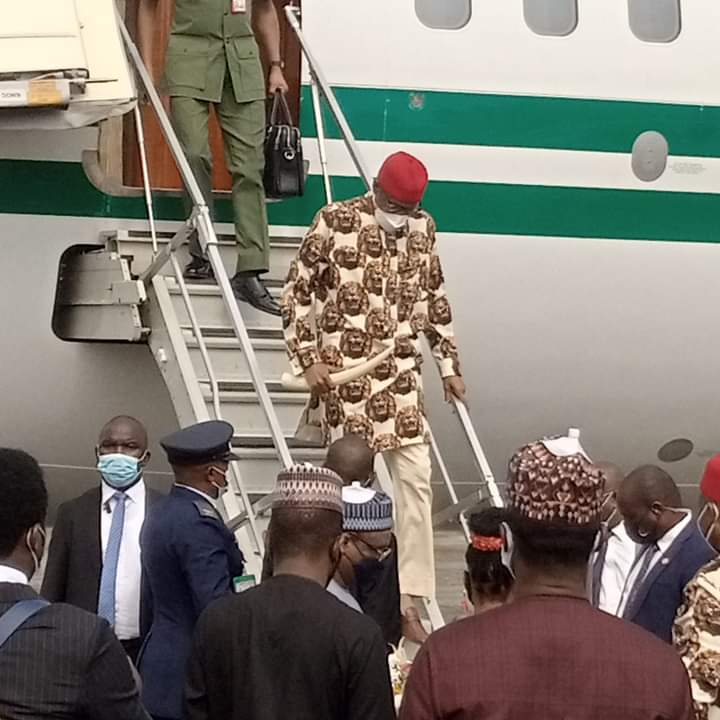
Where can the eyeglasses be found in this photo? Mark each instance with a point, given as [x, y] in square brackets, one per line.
[378, 554]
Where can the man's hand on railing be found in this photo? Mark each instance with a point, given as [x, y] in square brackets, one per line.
[318, 378]
[454, 388]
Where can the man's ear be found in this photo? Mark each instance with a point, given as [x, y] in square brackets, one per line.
[145, 459]
[657, 508]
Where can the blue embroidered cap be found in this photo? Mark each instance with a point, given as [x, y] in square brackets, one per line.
[366, 510]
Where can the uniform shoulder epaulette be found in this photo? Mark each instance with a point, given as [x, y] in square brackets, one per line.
[206, 510]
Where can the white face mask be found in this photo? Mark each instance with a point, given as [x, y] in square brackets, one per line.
[506, 554]
[222, 489]
[390, 222]
[28, 544]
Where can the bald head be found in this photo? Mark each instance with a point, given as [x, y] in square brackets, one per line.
[123, 434]
[351, 458]
[648, 500]
[651, 484]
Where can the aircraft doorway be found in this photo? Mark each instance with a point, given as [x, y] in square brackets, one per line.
[162, 167]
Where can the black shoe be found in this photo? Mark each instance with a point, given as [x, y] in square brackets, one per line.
[198, 269]
[250, 289]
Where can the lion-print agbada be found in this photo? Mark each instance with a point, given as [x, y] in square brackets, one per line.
[696, 637]
[352, 290]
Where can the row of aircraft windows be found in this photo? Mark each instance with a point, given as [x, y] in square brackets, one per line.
[650, 20]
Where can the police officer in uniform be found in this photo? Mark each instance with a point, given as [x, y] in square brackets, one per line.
[189, 558]
[213, 58]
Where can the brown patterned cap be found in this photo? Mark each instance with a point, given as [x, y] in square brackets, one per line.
[554, 488]
[308, 487]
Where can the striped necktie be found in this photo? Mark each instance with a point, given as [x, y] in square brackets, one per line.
[647, 557]
[108, 579]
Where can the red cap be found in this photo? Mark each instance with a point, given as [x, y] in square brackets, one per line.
[710, 484]
[404, 178]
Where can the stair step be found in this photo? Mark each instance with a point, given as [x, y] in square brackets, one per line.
[210, 309]
[259, 469]
[138, 245]
[229, 362]
[259, 462]
[241, 408]
[265, 442]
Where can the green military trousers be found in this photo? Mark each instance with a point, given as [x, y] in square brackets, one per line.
[243, 131]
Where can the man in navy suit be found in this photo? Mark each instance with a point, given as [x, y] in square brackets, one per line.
[189, 559]
[672, 549]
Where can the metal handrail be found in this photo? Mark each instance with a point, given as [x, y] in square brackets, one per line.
[215, 390]
[202, 223]
[320, 127]
[318, 80]
[291, 12]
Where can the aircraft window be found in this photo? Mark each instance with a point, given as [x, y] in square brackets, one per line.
[551, 17]
[649, 155]
[443, 14]
[655, 20]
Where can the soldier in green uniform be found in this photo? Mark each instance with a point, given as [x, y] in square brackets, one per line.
[213, 58]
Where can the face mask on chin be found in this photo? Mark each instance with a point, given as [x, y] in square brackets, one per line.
[390, 222]
[118, 470]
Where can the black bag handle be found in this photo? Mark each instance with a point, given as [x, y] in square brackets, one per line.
[280, 105]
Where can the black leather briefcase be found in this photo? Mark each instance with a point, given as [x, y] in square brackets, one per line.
[284, 168]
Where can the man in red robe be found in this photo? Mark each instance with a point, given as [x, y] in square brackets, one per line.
[548, 654]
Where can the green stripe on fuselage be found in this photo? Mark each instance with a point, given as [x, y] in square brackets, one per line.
[455, 118]
[59, 188]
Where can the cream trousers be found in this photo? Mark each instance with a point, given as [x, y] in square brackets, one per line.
[410, 469]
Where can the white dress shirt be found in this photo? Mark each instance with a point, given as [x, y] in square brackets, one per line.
[11, 575]
[343, 594]
[619, 558]
[660, 550]
[129, 571]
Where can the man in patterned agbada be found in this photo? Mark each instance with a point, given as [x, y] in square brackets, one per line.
[368, 276]
[696, 634]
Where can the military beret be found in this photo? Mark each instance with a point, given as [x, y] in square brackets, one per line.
[200, 444]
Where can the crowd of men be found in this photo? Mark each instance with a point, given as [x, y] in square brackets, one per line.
[313, 638]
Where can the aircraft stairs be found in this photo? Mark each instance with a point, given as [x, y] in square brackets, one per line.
[219, 358]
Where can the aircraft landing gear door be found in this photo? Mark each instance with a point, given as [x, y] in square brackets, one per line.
[162, 167]
[62, 64]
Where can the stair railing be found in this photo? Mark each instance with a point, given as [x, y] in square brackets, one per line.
[201, 222]
[321, 87]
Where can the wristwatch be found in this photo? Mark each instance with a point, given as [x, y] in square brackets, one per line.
[277, 63]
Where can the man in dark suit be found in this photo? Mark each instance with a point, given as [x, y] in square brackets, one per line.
[189, 558]
[60, 662]
[288, 649]
[548, 653]
[672, 549]
[94, 558]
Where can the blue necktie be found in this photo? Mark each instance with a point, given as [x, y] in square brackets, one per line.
[106, 601]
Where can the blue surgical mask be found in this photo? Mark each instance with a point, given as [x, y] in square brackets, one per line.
[119, 471]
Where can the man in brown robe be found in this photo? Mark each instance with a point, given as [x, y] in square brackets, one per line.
[548, 654]
[366, 277]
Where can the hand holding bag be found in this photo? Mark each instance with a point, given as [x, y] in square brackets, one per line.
[284, 168]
